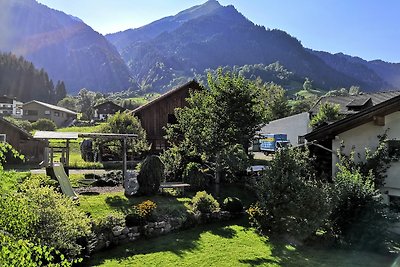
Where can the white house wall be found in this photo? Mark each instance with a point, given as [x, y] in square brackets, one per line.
[366, 136]
[294, 126]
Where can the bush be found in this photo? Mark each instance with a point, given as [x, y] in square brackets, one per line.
[291, 200]
[232, 204]
[359, 218]
[194, 176]
[145, 209]
[150, 175]
[204, 203]
[13, 252]
[108, 223]
[143, 212]
[44, 125]
[57, 221]
[173, 164]
[24, 124]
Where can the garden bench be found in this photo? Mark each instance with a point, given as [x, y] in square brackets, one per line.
[174, 185]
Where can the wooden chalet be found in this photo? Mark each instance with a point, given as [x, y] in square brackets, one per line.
[156, 114]
[104, 110]
[22, 141]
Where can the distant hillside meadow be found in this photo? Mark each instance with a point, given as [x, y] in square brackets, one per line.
[175, 49]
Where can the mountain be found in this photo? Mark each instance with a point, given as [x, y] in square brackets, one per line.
[175, 48]
[63, 45]
[379, 74]
[21, 80]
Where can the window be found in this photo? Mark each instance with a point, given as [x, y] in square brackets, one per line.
[301, 139]
[56, 113]
[394, 147]
[3, 137]
[47, 112]
[31, 112]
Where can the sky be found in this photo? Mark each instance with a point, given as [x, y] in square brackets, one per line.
[366, 28]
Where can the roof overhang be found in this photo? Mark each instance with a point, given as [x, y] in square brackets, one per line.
[350, 122]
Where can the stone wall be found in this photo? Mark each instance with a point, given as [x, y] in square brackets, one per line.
[122, 234]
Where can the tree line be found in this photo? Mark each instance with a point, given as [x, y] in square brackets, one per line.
[20, 79]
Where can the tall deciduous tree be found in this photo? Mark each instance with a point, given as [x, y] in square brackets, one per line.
[327, 113]
[275, 101]
[215, 120]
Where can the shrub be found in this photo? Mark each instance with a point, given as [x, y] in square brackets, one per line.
[359, 217]
[172, 160]
[150, 175]
[59, 223]
[108, 223]
[232, 204]
[44, 125]
[194, 176]
[204, 203]
[145, 209]
[143, 212]
[14, 252]
[291, 201]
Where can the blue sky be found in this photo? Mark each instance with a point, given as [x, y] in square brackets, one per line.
[366, 28]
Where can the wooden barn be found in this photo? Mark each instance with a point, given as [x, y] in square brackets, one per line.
[155, 115]
[22, 141]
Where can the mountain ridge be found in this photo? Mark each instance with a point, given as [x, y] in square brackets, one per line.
[64, 45]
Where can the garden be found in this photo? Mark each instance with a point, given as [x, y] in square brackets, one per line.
[287, 215]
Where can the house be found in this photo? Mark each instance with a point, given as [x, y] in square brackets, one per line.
[105, 110]
[10, 107]
[295, 127]
[156, 114]
[360, 131]
[35, 110]
[22, 141]
[354, 103]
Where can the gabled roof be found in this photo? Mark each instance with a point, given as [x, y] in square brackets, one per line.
[355, 120]
[191, 85]
[353, 100]
[16, 128]
[50, 106]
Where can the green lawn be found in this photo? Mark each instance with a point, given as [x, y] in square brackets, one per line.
[102, 205]
[83, 129]
[234, 245]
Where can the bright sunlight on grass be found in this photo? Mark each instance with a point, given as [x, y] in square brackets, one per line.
[104, 204]
[222, 245]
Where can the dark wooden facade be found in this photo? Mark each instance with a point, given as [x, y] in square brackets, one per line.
[106, 109]
[23, 142]
[155, 115]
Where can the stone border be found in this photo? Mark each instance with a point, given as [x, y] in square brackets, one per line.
[121, 234]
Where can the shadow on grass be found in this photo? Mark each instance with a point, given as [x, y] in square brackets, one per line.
[259, 261]
[178, 243]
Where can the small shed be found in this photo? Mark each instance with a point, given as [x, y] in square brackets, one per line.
[22, 141]
[105, 110]
[156, 114]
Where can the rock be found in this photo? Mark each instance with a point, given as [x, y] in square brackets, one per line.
[168, 228]
[161, 224]
[117, 230]
[125, 231]
[131, 185]
[134, 229]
